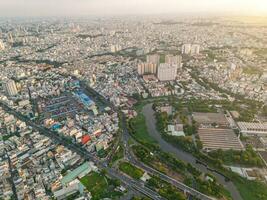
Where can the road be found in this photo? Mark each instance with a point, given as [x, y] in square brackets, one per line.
[133, 160]
[134, 184]
[186, 157]
[130, 183]
[125, 138]
[11, 171]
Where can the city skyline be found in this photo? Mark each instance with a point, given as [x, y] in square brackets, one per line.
[17, 8]
[133, 99]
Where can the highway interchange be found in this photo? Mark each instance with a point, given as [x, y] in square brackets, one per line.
[136, 185]
[130, 183]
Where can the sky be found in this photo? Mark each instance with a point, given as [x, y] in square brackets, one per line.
[16, 8]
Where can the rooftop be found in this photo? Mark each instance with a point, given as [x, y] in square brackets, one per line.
[224, 139]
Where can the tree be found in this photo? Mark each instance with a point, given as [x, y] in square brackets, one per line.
[103, 172]
[136, 96]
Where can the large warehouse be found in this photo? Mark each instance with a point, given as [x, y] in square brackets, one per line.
[214, 139]
[249, 128]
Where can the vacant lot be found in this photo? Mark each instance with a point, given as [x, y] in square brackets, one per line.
[131, 170]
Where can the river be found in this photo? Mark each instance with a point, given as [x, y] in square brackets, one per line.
[181, 155]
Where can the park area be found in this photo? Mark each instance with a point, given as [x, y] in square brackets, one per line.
[131, 170]
[99, 186]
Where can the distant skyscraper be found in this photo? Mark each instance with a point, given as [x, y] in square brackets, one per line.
[195, 48]
[147, 68]
[167, 72]
[173, 60]
[186, 49]
[246, 52]
[10, 38]
[37, 29]
[233, 66]
[2, 46]
[10, 87]
[115, 48]
[155, 59]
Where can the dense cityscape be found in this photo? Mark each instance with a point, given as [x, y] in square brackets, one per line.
[137, 107]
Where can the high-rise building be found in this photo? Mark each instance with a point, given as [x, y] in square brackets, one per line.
[147, 68]
[2, 46]
[115, 48]
[173, 60]
[246, 52]
[10, 38]
[195, 48]
[167, 72]
[10, 87]
[155, 59]
[186, 49]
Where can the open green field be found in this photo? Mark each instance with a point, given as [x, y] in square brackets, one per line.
[131, 170]
[247, 158]
[96, 184]
[252, 71]
[99, 186]
[251, 190]
[137, 126]
[118, 154]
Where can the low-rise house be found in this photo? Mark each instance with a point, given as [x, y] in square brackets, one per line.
[176, 130]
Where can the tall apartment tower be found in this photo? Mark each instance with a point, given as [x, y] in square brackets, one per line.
[155, 59]
[186, 49]
[167, 72]
[10, 87]
[10, 38]
[147, 68]
[195, 48]
[2, 46]
[115, 48]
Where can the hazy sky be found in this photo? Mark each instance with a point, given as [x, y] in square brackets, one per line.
[123, 7]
